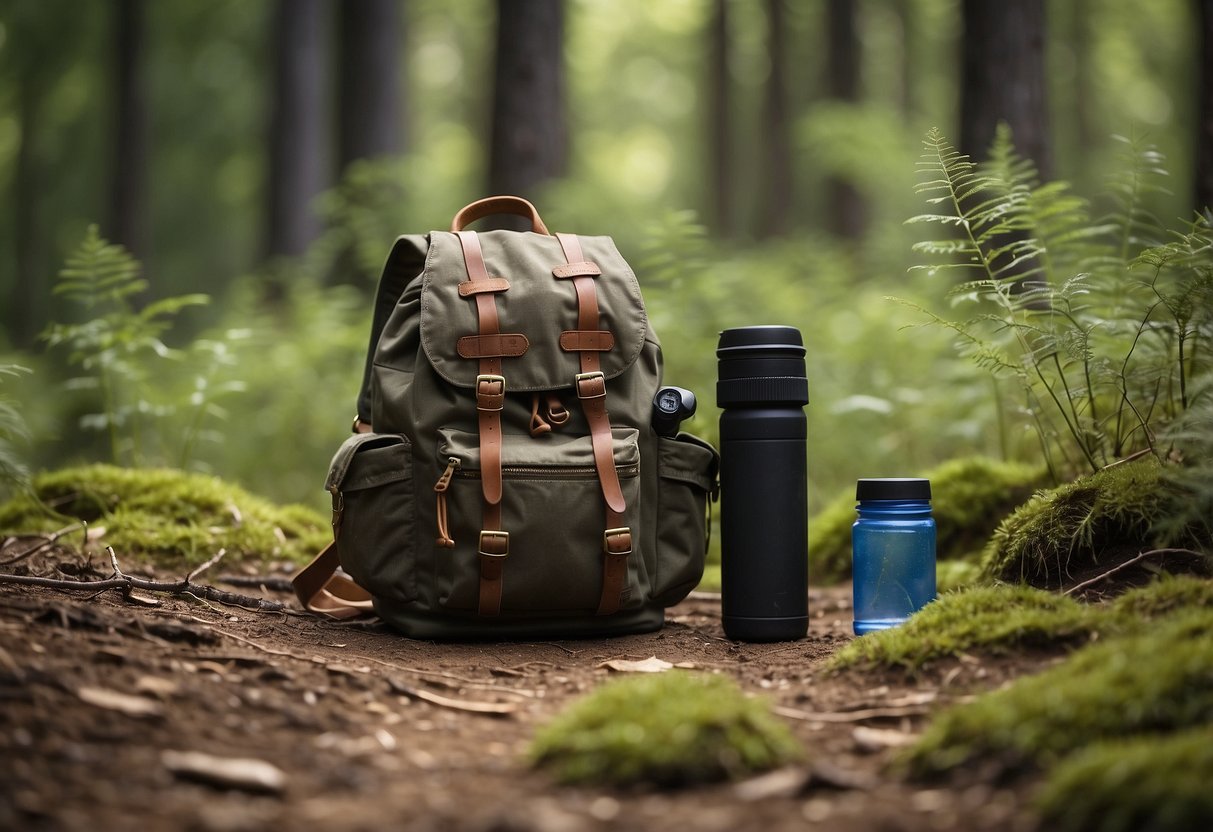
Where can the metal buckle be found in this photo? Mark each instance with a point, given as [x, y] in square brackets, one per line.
[486, 400]
[496, 537]
[595, 376]
[625, 532]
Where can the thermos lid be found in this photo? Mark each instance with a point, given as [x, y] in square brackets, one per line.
[893, 488]
[766, 341]
[761, 365]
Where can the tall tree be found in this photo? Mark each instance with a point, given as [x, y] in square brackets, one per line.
[846, 210]
[776, 202]
[298, 141]
[371, 105]
[721, 198]
[529, 141]
[1003, 79]
[128, 198]
[1204, 136]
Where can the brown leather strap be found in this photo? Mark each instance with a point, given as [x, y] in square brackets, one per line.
[479, 287]
[597, 340]
[490, 400]
[590, 387]
[505, 345]
[322, 591]
[498, 205]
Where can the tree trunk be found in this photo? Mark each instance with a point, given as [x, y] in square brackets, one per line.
[845, 208]
[128, 195]
[776, 164]
[26, 311]
[371, 101]
[298, 144]
[722, 198]
[1003, 79]
[1204, 120]
[529, 142]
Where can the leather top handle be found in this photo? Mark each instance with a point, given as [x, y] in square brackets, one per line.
[498, 205]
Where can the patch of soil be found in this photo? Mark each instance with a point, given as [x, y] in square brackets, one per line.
[366, 730]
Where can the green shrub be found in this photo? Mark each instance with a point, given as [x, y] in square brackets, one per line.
[667, 729]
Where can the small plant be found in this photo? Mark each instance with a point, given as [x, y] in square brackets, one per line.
[1104, 329]
[667, 729]
[14, 474]
[127, 363]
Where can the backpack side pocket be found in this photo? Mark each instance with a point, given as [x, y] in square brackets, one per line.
[375, 514]
[686, 468]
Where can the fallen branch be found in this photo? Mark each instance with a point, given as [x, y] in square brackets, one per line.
[1130, 562]
[475, 707]
[45, 542]
[272, 583]
[852, 716]
[127, 583]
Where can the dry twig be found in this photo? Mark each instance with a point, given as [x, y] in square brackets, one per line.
[1131, 561]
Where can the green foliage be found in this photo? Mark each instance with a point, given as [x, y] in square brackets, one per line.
[1102, 328]
[1155, 783]
[1154, 682]
[121, 350]
[969, 496]
[167, 515]
[668, 729]
[14, 473]
[991, 619]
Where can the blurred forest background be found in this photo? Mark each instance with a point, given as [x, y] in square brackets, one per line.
[755, 161]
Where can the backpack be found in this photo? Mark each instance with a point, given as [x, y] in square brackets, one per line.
[504, 479]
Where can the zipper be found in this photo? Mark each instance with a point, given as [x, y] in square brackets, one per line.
[444, 482]
[547, 472]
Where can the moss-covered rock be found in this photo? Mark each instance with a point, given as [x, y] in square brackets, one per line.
[969, 497]
[167, 514]
[667, 729]
[1080, 526]
[990, 619]
[1157, 681]
[1151, 782]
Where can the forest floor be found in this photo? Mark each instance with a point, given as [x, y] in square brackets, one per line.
[191, 715]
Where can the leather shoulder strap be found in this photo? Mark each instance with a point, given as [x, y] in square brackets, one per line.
[322, 591]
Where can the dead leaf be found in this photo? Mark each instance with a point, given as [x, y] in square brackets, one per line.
[113, 700]
[156, 686]
[649, 665]
[878, 739]
[471, 706]
[244, 773]
[783, 782]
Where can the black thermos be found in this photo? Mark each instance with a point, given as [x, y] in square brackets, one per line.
[762, 389]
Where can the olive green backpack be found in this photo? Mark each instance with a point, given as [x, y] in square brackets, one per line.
[512, 485]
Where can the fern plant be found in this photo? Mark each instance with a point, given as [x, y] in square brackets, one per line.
[14, 473]
[1100, 327]
[119, 346]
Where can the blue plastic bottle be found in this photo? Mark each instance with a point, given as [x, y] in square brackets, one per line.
[893, 552]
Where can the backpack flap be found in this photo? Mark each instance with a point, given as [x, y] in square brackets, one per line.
[538, 311]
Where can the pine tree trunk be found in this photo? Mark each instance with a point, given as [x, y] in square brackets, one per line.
[1204, 121]
[529, 142]
[298, 143]
[1003, 67]
[372, 105]
[776, 165]
[722, 197]
[128, 195]
[847, 214]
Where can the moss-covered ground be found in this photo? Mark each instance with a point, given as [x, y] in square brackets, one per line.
[969, 497]
[673, 728]
[168, 515]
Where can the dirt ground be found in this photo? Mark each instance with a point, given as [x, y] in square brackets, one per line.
[102, 700]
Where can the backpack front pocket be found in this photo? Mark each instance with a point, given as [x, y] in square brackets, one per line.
[553, 511]
[687, 467]
[374, 513]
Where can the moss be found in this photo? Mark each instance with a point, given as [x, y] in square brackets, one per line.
[969, 497]
[1166, 595]
[1156, 681]
[952, 575]
[167, 514]
[991, 619]
[1069, 527]
[668, 729]
[1155, 783]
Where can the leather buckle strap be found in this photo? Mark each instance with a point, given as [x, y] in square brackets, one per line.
[617, 541]
[616, 549]
[590, 385]
[584, 268]
[490, 393]
[494, 548]
[494, 544]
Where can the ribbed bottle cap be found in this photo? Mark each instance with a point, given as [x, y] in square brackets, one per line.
[893, 488]
[761, 365]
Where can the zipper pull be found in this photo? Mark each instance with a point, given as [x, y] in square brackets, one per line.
[444, 482]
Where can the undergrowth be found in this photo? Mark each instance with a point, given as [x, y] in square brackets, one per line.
[167, 515]
[668, 729]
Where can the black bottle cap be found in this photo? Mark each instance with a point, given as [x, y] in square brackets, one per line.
[893, 488]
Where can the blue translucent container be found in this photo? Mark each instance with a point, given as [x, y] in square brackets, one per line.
[892, 552]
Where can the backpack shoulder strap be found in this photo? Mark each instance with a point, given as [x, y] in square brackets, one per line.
[321, 590]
